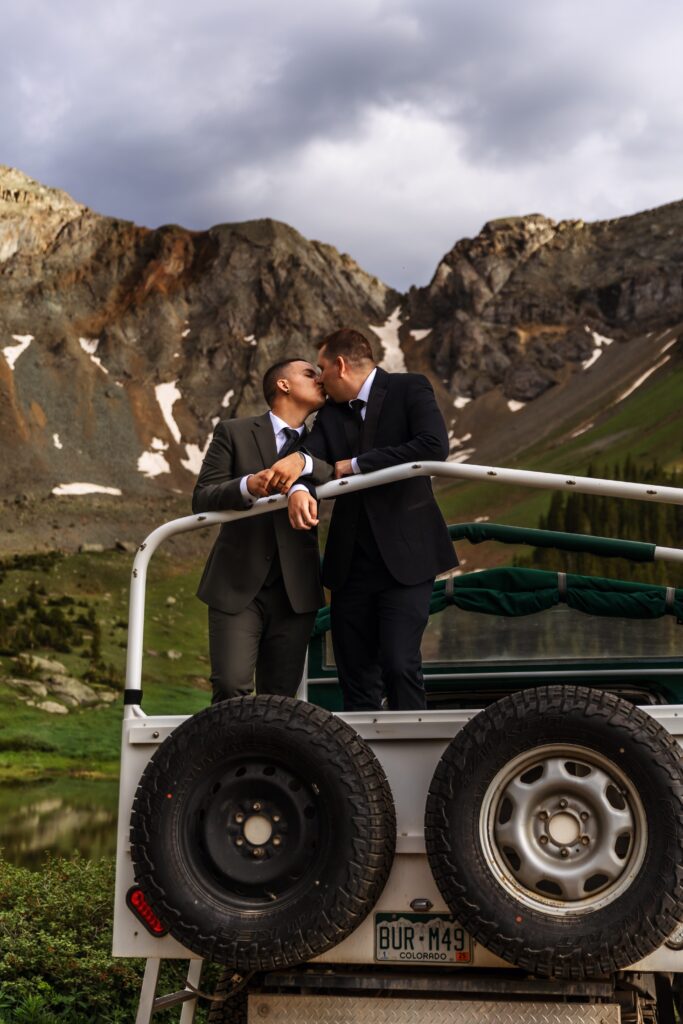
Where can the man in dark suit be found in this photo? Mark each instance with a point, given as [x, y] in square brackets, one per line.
[262, 578]
[386, 544]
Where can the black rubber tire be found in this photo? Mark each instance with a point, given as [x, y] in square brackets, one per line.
[573, 946]
[232, 1010]
[336, 832]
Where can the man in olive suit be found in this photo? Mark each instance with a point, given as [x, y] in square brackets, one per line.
[262, 578]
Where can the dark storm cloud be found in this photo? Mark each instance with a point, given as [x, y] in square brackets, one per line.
[346, 119]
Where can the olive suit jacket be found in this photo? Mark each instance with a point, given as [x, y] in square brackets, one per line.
[243, 554]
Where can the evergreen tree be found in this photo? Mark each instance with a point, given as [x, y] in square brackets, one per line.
[619, 518]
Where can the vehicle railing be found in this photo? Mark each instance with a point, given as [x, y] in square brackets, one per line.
[337, 488]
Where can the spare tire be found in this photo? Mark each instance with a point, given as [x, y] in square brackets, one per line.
[554, 830]
[263, 831]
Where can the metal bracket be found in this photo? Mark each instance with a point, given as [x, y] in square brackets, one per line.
[150, 1003]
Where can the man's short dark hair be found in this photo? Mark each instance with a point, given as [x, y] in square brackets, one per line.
[273, 374]
[346, 342]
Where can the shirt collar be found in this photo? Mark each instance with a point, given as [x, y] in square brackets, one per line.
[364, 393]
[279, 425]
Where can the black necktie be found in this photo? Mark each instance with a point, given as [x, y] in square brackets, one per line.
[291, 440]
[357, 406]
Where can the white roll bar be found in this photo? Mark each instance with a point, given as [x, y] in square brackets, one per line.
[459, 471]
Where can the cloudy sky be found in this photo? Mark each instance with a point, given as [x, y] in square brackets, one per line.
[390, 128]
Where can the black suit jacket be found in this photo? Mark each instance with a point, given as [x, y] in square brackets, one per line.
[402, 424]
[243, 553]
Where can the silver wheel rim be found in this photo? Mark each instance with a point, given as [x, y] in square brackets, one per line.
[563, 828]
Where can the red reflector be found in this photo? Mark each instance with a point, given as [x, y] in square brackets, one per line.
[136, 900]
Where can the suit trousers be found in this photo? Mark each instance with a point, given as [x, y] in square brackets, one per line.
[267, 639]
[377, 626]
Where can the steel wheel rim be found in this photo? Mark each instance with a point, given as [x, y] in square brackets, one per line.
[240, 867]
[563, 828]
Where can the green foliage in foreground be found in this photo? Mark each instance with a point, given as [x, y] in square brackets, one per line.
[55, 941]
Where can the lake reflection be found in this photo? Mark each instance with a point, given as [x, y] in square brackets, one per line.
[63, 818]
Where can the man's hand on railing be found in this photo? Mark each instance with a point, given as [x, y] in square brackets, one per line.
[259, 484]
[303, 510]
[343, 468]
[286, 472]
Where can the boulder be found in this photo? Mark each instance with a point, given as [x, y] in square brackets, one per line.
[72, 691]
[29, 686]
[129, 546]
[43, 665]
[107, 696]
[52, 707]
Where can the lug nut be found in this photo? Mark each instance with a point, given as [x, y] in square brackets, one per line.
[584, 815]
[585, 840]
[563, 804]
[276, 817]
[258, 852]
[564, 852]
[257, 807]
[543, 815]
[543, 840]
[276, 840]
[239, 818]
[239, 841]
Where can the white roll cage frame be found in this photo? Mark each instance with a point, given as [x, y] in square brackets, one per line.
[460, 471]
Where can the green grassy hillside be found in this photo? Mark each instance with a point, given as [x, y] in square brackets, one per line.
[35, 745]
[647, 426]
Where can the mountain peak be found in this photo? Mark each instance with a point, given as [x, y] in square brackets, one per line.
[18, 190]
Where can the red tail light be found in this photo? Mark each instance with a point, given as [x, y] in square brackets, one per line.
[137, 901]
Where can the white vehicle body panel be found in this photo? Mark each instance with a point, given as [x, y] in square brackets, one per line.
[408, 745]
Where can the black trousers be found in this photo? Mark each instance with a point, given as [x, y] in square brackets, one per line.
[268, 640]
[377, 626]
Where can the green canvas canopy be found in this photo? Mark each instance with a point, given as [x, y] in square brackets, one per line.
[514, 591]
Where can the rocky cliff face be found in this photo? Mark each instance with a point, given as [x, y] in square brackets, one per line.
[122, 345]
[527, 297]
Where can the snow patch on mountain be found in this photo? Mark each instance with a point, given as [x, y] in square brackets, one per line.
[641, 380]
[68, 490]
[89, 346]
[393, 360]
[167, 395]
[599, 340]
[12, 352]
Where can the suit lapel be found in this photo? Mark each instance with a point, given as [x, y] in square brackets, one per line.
[264, 436]
[378, 393]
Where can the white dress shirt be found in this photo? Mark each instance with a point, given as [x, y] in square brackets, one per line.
[279, 427]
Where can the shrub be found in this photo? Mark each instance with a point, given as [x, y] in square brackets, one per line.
[55, 941]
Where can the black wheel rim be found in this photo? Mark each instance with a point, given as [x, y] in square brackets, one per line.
[255, 832]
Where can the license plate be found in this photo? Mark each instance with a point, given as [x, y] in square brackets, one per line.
[421, 938]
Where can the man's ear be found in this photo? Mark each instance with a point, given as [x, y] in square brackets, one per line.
[342, 366]
[283, 385]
